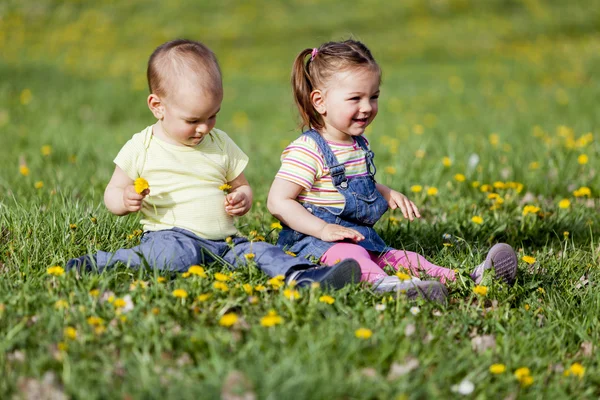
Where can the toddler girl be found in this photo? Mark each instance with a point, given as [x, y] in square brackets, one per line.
[325, 192]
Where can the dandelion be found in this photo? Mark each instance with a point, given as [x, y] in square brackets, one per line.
[38, 184]
[403, 276]
[271, 319]
[229, 240]
[276, 281]
[225, 188]
[72, 226]
[222, 286]
[221, 277]
[418, 129]
[529, 209]
[477, 220]
[528, 259]
[197, 270]
[534, 165]
[25, 97]
[260, 288]
[289, 253]
[527, 307]
[447, 162]
[291, 294]
[499, 185]
[186, 275]
[24, 170]
[60, 304]
[95, 321]
[497, 369]
[420, 153]
[575, 369]
[140, 185]
[180, 293]
[523, 375]
[249, 256]
[432, 191]
[460, 178]
[494, 139]
[485, 188]
[416, 188]
[363, 333]
[94, 292]
[564, 203]
[326, 299]
[582, 159]
[203, 297]
[415, 310]
[390, 170]
[583, 191]
[276, 225]
[566, 234]
[119, 303]
[55, 271]
[228, 320]
[480, 290]
[46, 150]
[475, 184]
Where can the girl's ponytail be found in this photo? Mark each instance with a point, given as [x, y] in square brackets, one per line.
[302, 86]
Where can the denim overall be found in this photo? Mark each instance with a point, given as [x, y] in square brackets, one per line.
[364, 206]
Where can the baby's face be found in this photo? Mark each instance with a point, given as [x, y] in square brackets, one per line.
[190, 113]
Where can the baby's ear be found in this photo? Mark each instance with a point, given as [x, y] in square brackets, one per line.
[155, 105]
[318, 101]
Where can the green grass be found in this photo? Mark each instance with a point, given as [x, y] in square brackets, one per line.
[512, 82]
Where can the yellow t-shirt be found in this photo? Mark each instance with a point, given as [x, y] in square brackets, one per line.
[184, 181]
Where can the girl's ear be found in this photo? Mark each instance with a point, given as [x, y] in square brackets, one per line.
[155, 105]
[318, 101]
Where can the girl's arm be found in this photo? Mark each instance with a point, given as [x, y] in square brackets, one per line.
[120, 196]
[239, 199]
[398, 200]
[283, 205]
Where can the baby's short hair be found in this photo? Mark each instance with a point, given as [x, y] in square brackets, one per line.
[177, 59]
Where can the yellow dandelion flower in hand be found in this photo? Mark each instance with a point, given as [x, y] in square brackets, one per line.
[140, 185]
[225, 188]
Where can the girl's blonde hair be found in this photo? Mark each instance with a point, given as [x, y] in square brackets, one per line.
[310, 73]
[183, 59]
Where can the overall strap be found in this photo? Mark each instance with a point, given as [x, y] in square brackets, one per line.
[337, 170]
[369, 155]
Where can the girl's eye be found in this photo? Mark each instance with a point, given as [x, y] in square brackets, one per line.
[375, 97]
[356, 98]
[192, 122]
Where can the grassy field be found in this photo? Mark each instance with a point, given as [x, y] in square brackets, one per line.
[488, 120]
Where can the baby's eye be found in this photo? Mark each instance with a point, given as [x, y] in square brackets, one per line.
[355, 98]
[192, 122]
[375, 97]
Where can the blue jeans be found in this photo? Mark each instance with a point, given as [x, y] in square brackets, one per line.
[177, 249]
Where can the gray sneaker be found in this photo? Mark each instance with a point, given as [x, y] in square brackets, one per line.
[503, 259]
[413, 289]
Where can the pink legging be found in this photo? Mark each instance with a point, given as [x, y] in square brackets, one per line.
[371, 264]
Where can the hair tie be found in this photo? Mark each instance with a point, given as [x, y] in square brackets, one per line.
[313, 54]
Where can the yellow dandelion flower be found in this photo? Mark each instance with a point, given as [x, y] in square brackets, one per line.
[260, 288]
[566, 234]
[99, 330]
[249, 256]
[70, 333]
[161, 279]
[55, 271]
[497, 369]
[564, 203]
[38, 184]
[390, 170]
[247, 288]
[526, 380]
[418, 129]
[583, 191]
[46, 150]
[460, 178]
[527, 307]
[271, 319]
[582, 159]
[403, 276]
[480, 290]
[326, 299]
[222, 286]
[494, 139]
[529, 209]
[276, 281]
[24, 170]
[416, 188]
[363, 333]
[534, 165]
[203, 297]
[447, 162]
[289, 253]
[229, 240]
[95, 321]
[180, 293]
[477, 220]
[432, 191]
[186, 275]
[276, 225]
[493, 196]
[72, 226]
[94, 292]
[60, 304]
[221, 277]
[528, 259]
[228, 320]
[140, 185]
[420, 153]
[197, 270]
[475, 184]
[522, 372]
[485, 188]
[499, 185]
[25, 96]
[576, 369]
[291, 294]
[225, 187]
[119, 303]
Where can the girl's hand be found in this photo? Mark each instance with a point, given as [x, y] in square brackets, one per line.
[132, 200]
[334, 233]
[237, 204]
[408, 208]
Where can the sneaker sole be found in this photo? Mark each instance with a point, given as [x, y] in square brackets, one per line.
[432, 291]
[503, 259]
[344, 273]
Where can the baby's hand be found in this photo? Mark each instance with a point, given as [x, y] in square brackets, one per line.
[132, 200]
[237, 204]
[408, 208]
[334, 233]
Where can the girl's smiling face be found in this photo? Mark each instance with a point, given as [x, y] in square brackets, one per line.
[348, 103]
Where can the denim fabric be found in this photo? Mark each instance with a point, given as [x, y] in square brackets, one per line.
[364, 206]
[177, 249]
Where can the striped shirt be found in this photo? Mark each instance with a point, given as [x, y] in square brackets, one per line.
[303, 163]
